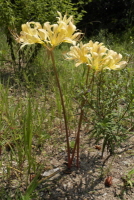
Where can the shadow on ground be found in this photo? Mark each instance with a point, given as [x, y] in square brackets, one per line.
[78, 185]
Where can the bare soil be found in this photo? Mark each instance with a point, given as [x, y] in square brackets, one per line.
[88, 182]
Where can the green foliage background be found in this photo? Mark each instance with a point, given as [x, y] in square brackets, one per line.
[16, 12]
[92, 15]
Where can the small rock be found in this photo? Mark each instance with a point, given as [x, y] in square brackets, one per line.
[51, 171]
[126, 163]
[64, 186]
[74, 174]
[104, 194]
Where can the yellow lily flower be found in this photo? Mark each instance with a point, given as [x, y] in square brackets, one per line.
[55, 34]
[79, 53]
[113, 61]
[68, 25]
[63, 31]
[29, 34]
[98, 55]
[71, 36]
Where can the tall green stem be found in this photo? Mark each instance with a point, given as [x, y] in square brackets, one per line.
[63, 107]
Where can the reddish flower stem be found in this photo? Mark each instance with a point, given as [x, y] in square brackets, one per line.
[77, 141]
[63, 108]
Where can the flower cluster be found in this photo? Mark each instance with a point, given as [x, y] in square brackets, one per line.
[49, 35]
[96, 56]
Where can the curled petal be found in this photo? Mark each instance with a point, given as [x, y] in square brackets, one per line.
[64, 19]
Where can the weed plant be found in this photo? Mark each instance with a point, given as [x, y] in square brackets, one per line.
[110, 102]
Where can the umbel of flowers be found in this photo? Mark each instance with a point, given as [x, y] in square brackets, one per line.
[49, 35]
[95, 55]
